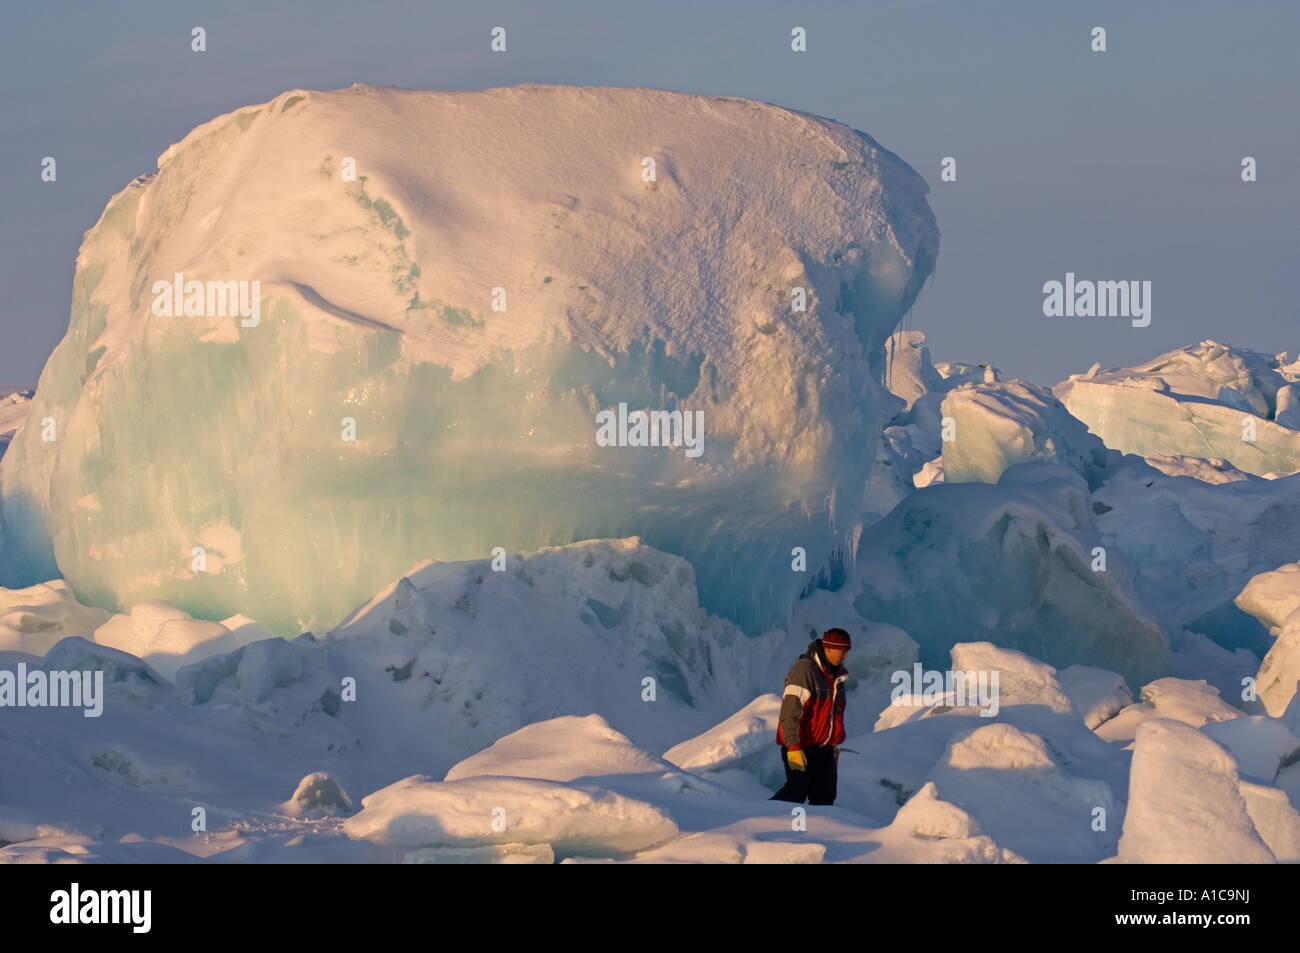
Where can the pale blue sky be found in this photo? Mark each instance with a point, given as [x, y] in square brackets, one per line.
[1117, 165]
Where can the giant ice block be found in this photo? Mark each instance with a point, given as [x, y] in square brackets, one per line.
[462, 282]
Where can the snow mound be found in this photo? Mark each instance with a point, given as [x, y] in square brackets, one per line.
[561, 749]
[32, 620]
[1022, 680]
[910, 742]
[925, 816]
[749, 732]
[318, 795]
[929, 830]
[474, 408]
[474, 812]
[1193, 401]
[1271, 597]
[1260, 744]
[252, 672]
[583, 626]
[75, 654]
[1184, 804]
[1098, 695]
[1192, 702]
[1010, 781]
[165, 636]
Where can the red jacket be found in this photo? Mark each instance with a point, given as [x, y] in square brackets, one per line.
[812, 709]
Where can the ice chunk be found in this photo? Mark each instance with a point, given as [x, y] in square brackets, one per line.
[1275, 682]
[1010, 782]
[928, 830]
[1192, 702]
[1193, 401]
[894, 761]
[1184, 804]
[924, 815]
[1272, 596]
[1197, 545]
[464, 314]
[1011, 564]
[1022, 680]
[266, 665]
[318, 795]
[910, 371]
[1274, 599]
[572, 819]
[251, 672]
[1275, 820]
[749, 732]
[585, 625]
[1097, 694]
[996, 426]
[14, 405]
[1260, 744]
[955, 374]
[32, 620]
[560, 749]
[929, 474]
[75, 654]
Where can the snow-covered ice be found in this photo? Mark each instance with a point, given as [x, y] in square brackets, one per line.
[1184, 802]
[475, 427]
[997, 425]
[1194, 401]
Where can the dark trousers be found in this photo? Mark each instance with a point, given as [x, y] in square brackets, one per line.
[815, 784]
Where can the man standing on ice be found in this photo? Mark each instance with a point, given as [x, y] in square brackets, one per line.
[812, 720]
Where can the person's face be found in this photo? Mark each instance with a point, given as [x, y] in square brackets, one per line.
[835, 656]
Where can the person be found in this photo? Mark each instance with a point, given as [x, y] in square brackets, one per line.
[811, 724]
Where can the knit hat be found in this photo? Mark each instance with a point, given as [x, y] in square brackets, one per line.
[836, 639]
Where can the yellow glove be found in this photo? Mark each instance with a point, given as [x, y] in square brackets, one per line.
[796, 760]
